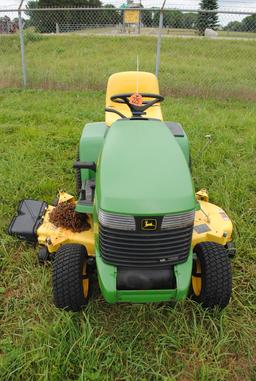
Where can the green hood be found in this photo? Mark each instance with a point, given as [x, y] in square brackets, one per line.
[142, 171]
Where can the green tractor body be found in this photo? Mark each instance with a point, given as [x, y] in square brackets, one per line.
[142, 173]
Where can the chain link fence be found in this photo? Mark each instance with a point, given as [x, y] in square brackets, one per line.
[205, 53]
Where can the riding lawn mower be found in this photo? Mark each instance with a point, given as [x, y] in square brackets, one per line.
[137, 220]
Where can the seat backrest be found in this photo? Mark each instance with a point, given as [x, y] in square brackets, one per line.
[131, 82]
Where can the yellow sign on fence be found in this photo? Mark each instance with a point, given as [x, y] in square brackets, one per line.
[131, 16]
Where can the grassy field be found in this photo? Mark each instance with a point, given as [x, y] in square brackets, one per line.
[196, 67]
[39, 132]
[110, 30]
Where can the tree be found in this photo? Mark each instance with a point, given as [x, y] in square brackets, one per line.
[175, 19]
[207, 19]
[171, 19]
[248, 24]
[189, 20]
[147, 17]
[69, 3]
[45, 22]
[33, 16]
[110, 17]
[233, 26]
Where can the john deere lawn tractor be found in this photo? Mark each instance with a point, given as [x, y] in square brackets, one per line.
[137, 219]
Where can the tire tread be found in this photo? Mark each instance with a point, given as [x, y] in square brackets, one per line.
[67, 277]
[216, 275]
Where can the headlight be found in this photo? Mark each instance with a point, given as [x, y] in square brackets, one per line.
[175, 221]
[126, 222]
[117, 221]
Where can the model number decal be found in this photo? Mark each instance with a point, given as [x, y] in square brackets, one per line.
[224, 216]
[203, 228]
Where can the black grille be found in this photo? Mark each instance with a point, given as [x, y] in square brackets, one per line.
[145, 249]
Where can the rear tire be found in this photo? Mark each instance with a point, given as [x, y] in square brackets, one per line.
[71, 278]
[211, 275]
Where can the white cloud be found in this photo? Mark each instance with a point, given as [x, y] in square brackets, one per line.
[193, 4]
[9, 3]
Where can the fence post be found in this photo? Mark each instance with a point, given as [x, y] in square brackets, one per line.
[139, 26]
[158, 49]
[22, 48]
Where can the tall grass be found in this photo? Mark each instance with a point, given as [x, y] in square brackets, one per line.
[198, 67]
[39, 133]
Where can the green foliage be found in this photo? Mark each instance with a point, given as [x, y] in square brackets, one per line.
[172, 19]
[189, 20]
[234, 26]
[207, 19]
[39, 133]
[147, 18]
[69, 3]
[45, 22]
[31, 36]
[248, 24]
[109, 17]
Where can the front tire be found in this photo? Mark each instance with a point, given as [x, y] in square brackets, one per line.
[211, 275]
[71, 278]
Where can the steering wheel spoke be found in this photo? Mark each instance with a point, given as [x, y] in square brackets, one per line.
[137, 110]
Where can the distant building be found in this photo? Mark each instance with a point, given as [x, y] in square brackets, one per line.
[7, 25]
[132, 4]
[131, 17]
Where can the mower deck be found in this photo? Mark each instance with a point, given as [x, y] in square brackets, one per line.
[211, 224]
[53, 237]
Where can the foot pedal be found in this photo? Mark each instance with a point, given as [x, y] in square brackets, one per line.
[87, 193]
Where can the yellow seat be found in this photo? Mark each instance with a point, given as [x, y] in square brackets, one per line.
[127, 82]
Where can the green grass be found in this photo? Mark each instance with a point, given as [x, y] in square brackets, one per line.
[39, 132]
[197, 67]
[105, 30]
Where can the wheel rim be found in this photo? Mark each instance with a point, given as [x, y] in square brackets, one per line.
[85, 280]
[197, 278]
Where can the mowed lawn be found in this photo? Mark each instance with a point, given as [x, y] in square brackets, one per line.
[39, 133]
[192, 67]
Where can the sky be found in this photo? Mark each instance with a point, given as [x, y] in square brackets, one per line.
[225, 5]
[246, 5]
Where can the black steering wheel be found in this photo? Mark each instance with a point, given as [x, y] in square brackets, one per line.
[137, 110]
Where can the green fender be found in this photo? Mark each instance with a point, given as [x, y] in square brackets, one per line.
[184, 145]
[90, 146]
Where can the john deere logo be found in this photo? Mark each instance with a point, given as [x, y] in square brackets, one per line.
[149, 224]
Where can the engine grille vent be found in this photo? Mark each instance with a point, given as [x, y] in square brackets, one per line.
[145, 249]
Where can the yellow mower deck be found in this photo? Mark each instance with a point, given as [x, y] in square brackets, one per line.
[53, 237]
[211, 224]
